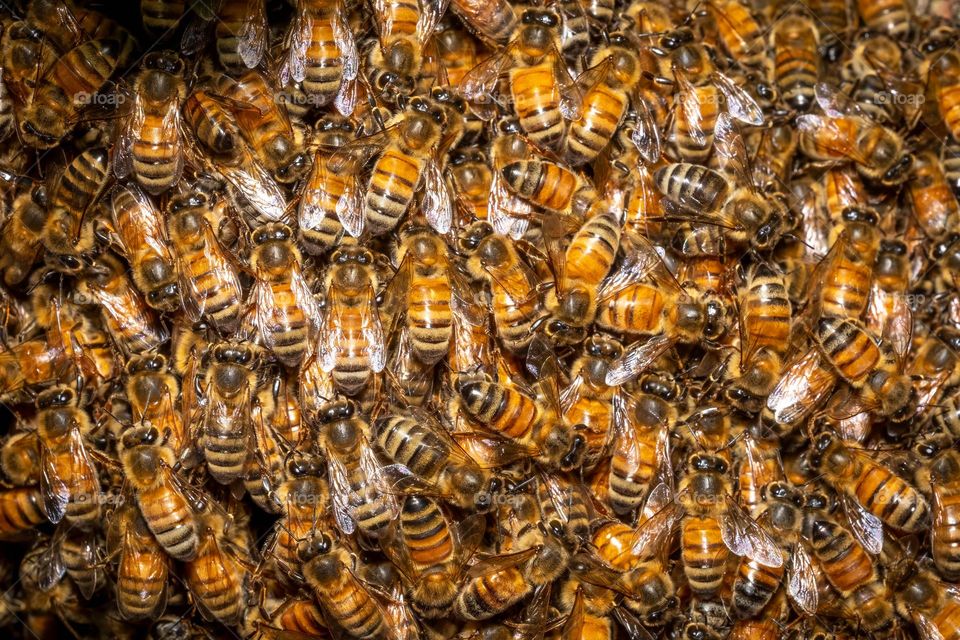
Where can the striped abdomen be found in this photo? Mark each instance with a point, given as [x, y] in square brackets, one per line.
[428, 314]
[407, 442]
[754, 586]
[536, 99]
[170, 519]
[693, 125]
[500, 408]
[704, 554]
[631, 467]
[21, 509]
[603, 109]
[844, 562]
[323, 62]
[846, 286]
[591, 253]
[891, 499]
[390, 191]
[224, 442]
[945, 532]
[426, 532]
[347, 602]
[215, 580]
[635, 309]
[848, 347]
[796, 63]
[490, 594]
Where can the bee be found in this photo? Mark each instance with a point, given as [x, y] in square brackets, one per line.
[495, 23]
[795, 40]
[542, 92]
[423, 286]
[277, 428]
[888, 312]
[283, 305]
[522, 417]
[843, 280]
[944, 476]
[494, 259]
[493, 585]
[216, 577]
[67, 233]
[588, 401]
[211, 121]
[69, 480]
[351, 340]
[642, 424]
[66, 87]
[142, 235]
[549, 186]
[739, 31]
[152, 392]
[329, 571]
[615, 72]
[230, 383]
[892, 17]
[81, 552]
[932, 606]
[165, 501]
[319, 225]
[162, 16]
[701, 89]
[20, 458]
[870, 490]
[241, 32]
[132, 324]
[404, 30]
[406, 162]
[321, 53]
[509, 214]
[209, 281]
[266, 127]
[950, 159]
[26, 57]
[150, 145]
[747, 215]
[934, 203]
[458, 51]
[663, 309]
[775, 152]
[22, 234]
[21, 510]
[473, 181]
[357, 485]
[427, 450]
[142, 566]
[850, 570]
[879, 154]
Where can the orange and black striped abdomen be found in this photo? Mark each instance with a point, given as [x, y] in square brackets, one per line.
[704, 554]
[754, 586]
[844, 562]
[946, 530]
[603, 108]
[499, 408]
[536, 99]
[392, 182]
[426, 532]
[848, 347]
[634, 309]
[891, 499]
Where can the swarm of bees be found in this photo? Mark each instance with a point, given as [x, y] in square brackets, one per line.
[397, 320]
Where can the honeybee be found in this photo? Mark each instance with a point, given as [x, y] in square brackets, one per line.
[162, 16]
[22, 234]
[458, 51]
[21, 510]
[494, 22]
[934, 203]
[241, 32]
[846, 565]
[209, 281]
[609, 84]
[150, 145]
[319, 225]
[142, 566]
[509, 214]
[351, 342]
[358, 488]
[739, 31]
[212, 122]
[472, 179]
[224, 434]
[266, 127]
[217, 575]
[165, 501]
[66, 88]
[663, 309]
[708, 515]
[152, 392]
[303, 499]
[878, 153]
[795, 39]
[542, 92]
[891, 16]
[330, 572]
[283, 306]
[67, 233]
[20, 458]
[493, 585]
[701, 89]
[921, 597]
[868, 489]
[406, 162]
[494, 259]
[69, 480]
[588, 401]
[132, 324]
[940, 466]
[321, 53]
[142, 235]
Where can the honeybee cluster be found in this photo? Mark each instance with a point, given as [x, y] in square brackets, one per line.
[399, 320]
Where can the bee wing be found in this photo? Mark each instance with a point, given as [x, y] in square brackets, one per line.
[755, 463]
[171, 131]
[637, 358]
[835, 103]
[689, 101]
[129, 129]
[650, 537]
[267, 314]
[50, 563]
[492, 564]
[479, 85]
[802, 581]
[437, 205]
[803, 386]
[571, 98]
[745, 537]
[430, 12]
[53, 489]
[351, 208]
[310, 212]
[631, 625]
[573, 626]
[828, 135]
[926, 627]
[340, 494]
[257, 186]
[305, 298]
[508, 214]
[350, 57]
[373, 332]
[894, 325]
[646, 133]
[740, 104]
[641, 260]
[252, 39]
[519, 283]
[296, 42]
[356, 153]
[866, 527]
[732, 150]
[626, 440]
[489, 450]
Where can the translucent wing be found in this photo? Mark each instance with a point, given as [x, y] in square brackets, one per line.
[834, 102]
[637, 358]
[646, 133]
[437, 204]
[731, 150]
[802, 581]
[340, 491]
[866, 527]
[479, 85]
[252, 39]
[297, 41]
[571, 98]
[343, 36]
[508, 214]
[804, 385]
[740, 104]
[430, 12]
[689, 100]
[889, 316]
[347, 96]
[351, 208]
[744, 537]
[928, 628]
[830, 136]
[257, 186]
[55, 492]
[130, 129]
[651, 536]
